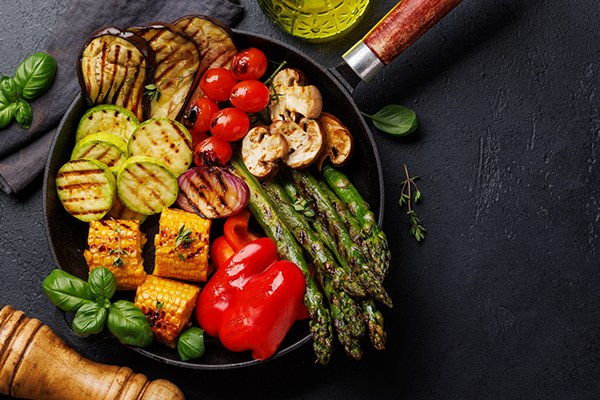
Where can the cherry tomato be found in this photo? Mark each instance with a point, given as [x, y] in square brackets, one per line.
[249, 64]
[216, 83]
[230, 124]
[213, 148]
[197, 118]
[250, 96]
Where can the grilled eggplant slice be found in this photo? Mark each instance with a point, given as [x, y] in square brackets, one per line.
[177, 64]
[214, 40]
[165, 140]
[86, 188]
[113, 67]
[146, 185]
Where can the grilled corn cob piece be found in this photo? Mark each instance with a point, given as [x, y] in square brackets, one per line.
[168, 304]
[182, 246]
[117, 245]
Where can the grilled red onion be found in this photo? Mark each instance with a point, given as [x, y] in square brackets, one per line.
[211, 192]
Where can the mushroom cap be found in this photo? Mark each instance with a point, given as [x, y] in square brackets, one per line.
[295, 97]
[262, 151]
[306, 141]
[339, 142]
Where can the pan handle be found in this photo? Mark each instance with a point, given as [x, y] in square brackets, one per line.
[404, 24]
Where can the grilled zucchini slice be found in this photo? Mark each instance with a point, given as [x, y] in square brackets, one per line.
[146, 185]
[86, 188]
[107, 118]
[165, 140]
[104, 147]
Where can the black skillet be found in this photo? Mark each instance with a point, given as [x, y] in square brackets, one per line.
[405, 23]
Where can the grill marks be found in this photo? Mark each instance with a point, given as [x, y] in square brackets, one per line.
[113, 71]
[177, 64]
[147, 187]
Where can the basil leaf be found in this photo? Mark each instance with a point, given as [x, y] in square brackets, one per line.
[35, 74]
[23, 113]
[66, 291]
[90, 319]
[129, 324]
[395, 120]
[10, 88]
[102, 283]
[191, 344]
[6, 111]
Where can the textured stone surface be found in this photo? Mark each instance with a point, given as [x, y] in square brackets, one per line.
[501, 299]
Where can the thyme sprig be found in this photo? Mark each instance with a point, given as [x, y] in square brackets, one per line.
[183, 238]
[153, 91]
[303, 206]
[407, 195]
[118, 261]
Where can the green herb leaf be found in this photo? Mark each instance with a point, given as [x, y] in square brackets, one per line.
[34, 76]
[22, 112]
[129, 324]
[191, 344]
[103, 283]
[395, 120]
[10, 88]
[6, 111]
[90, 319]
[66, 291]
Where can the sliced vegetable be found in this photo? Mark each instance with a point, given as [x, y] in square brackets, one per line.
[306, 141]
[262, 151]
[294, 96]
[109, 119]
[214, 40]
[211, 192]
[177, 63]
[339, 143]
[252, 301]
[86, 188]
[146, 185]
[165, 140]
[120, 211]
[113, 67]
[105, 147]
[236, 230]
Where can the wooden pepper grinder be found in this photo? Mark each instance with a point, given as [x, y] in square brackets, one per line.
[36, 364]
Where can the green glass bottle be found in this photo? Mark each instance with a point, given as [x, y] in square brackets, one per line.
[316, 20]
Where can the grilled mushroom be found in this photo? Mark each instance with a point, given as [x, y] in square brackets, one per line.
[305, 139]
[262, 151]
[112, 69]
[295, 98]
[339, 143]
[177, 64]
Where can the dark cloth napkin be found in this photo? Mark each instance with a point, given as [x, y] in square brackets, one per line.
[23, 153]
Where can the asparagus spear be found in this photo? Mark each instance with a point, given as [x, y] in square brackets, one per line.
[346, 247]
[321, 255]
[376, 239]
[341, 314]
[374, 320]
[289, 249]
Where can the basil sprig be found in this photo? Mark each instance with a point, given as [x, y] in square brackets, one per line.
[394, 119]
[91, 303]
[32, 78]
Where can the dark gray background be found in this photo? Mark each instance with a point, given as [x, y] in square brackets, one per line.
[501, 299]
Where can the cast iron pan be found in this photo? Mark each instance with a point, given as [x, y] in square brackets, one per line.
[67, 235]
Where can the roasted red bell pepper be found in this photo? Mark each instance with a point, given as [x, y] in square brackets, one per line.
[236, 230]
[252, 301]
[220, 252]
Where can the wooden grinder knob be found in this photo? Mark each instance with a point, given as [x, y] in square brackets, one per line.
[36, 364]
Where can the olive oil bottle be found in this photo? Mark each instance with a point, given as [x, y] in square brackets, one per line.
[315, 20]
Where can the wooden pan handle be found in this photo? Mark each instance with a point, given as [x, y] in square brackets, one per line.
[36, 364]
[404, 24]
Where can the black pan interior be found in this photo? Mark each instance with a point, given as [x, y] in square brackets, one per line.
[67, 236]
